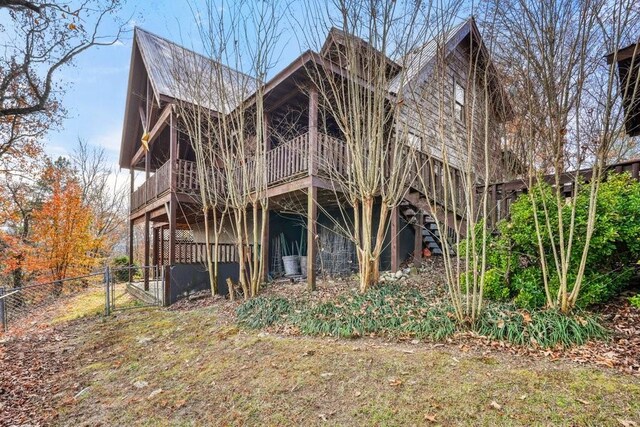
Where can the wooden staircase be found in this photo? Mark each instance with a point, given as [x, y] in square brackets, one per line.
[425, 224]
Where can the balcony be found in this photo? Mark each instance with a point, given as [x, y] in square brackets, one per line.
[286, 162]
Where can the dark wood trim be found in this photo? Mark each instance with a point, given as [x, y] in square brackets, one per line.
[624, 53]
[173, 153]
[157, 128]
[172, 229]
[131, 173]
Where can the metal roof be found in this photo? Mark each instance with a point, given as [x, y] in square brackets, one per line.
[182, 74]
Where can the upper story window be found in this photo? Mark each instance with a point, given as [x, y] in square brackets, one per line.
[414, 141]
[459, 98]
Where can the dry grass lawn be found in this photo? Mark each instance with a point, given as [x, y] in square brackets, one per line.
[159, 367]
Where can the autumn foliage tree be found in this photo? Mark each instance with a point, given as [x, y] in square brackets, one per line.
[62, 239]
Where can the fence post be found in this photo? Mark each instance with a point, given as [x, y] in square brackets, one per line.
[3, 314]
[166, 285]
[107, 300]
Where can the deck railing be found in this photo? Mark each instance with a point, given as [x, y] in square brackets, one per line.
[502, 195]
[159, 183]
[286, 162]
[196, 252]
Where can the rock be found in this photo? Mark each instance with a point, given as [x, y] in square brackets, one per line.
[82, 393]
[144, 340]
[399, 274]
[140, 384]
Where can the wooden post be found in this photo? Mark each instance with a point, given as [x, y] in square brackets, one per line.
[312, 216]
[493, 204]
[173, 153]
[145, 267]
[173, 156]
[131, 228]
[264, 250]
[395, 230]
[313, 131]
[417, 241]
[172, 229]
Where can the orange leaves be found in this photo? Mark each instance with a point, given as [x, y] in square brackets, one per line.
[61, 234]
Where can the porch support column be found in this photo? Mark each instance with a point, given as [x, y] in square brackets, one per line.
[173, 157]
[312, 216]
[395, 229]
[264, 249]
[145, 267]
[313, 131]
[131, 226]
[264, 241]
[417, 242]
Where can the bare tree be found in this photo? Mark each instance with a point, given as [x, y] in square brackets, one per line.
[104, 193]
[570, 116]
[353, 82]
[226, 122]
[40, 38]
[456, 108]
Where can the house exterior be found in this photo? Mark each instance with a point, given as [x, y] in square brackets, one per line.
[628, 61]
[165, 186]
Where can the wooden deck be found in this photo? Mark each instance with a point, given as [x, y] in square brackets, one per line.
[287, 162]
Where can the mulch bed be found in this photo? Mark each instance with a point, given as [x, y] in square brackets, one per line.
[622, 351]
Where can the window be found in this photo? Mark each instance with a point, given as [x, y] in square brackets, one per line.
[459, 97]
[414, 141]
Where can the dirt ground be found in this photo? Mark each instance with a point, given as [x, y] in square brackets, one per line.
[194, 367]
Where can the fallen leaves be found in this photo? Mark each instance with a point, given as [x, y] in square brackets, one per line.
[32, 368]
[395, 382]
[430, 418]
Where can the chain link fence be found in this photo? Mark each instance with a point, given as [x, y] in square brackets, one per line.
[107, 290]
[19, 303]
[134, 287]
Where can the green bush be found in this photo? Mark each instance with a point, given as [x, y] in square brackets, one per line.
[613, 251]
[494, 288]
[635, 300]
[120, 270]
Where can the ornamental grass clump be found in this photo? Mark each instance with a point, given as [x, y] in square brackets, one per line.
[539, 328]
